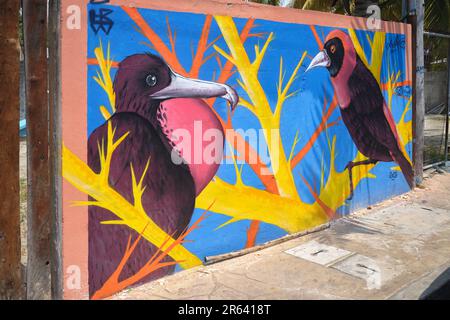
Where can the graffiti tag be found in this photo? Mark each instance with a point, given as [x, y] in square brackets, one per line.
[420, 69]
[404, 91]
[99, 20]
[397, 43]
[393, 175]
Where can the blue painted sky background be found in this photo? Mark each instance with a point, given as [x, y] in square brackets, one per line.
[301, 113]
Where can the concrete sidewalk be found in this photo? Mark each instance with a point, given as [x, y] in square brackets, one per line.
[399, 249]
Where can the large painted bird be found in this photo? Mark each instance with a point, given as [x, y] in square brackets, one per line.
[363, 109]
[152, 101]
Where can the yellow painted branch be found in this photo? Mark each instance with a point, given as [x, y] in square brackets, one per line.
[241, 202]
[358, 47]
[249, 75]
[337, 188]
[404, 129]
[104, 79]
[377, 49]
[283, 93]
[377, 54]
[84, 179]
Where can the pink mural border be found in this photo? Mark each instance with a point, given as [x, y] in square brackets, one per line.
[74, 99]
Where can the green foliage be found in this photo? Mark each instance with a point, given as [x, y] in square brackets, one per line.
[437, 14]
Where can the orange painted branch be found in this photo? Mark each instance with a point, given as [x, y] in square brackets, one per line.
[385, 86]
[201, 48]
[169, 56]
[330, 213]
[170, 35]
[94, 61]
[252, 232]
[316, 36]
[323, 125]
[112, 285]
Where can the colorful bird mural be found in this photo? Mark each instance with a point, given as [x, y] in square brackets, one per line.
[152, 102]
[363, 109]
[154, 208]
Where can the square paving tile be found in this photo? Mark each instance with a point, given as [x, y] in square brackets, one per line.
[318, 252]
[361, 267]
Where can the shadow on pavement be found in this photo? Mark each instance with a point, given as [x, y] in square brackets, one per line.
[439, 288]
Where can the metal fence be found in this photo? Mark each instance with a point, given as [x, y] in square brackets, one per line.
[436, 98]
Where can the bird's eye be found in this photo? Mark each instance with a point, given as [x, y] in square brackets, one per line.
[151, 80]
[333, 49]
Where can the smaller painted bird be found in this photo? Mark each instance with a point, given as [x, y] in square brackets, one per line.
[363, 109]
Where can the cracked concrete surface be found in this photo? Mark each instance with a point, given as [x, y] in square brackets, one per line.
[407, 238]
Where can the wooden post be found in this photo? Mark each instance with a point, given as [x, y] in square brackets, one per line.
[448, 105]
[11, 283]
[55, 147]
[39, 195]
[416, 18]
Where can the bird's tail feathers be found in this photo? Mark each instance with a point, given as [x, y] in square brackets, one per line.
[406, 168]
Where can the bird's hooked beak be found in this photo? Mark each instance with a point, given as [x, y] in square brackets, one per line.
[182, 87]
[320, 60]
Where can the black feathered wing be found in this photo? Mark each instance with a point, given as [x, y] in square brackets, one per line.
[370, 122]
[168, 199]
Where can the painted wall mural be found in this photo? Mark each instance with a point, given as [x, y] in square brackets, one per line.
[207, 134]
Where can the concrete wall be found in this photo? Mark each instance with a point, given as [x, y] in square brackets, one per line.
[283, 149]
[435, 88]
